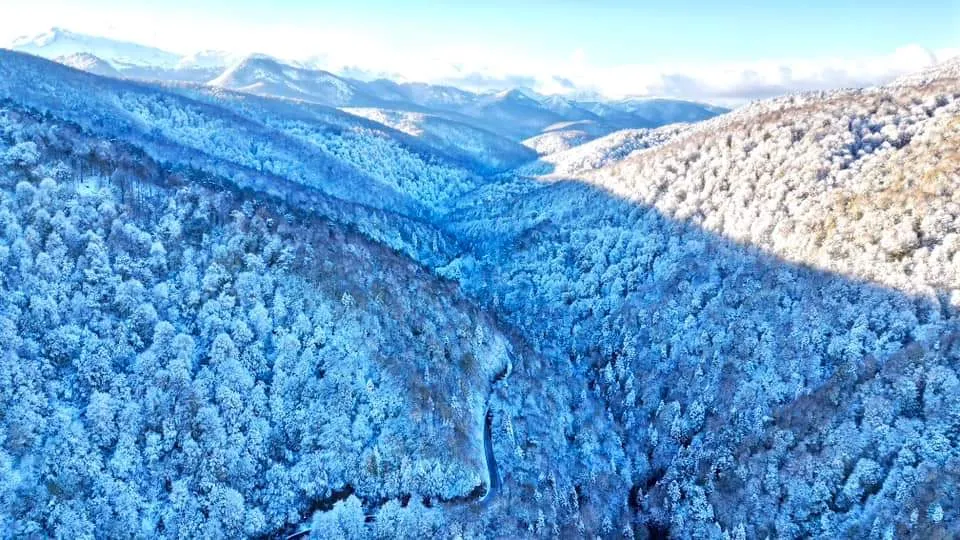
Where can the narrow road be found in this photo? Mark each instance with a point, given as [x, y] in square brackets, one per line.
[488, 457]
[492, 472]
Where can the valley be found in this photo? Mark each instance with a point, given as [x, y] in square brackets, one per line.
[276, 302]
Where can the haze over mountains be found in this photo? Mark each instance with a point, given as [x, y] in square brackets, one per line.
[515, 113]
[273, 301]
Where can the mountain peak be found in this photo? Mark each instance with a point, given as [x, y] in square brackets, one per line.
[90, 63]
[260, 56]
[45, 38]
[57, 42]
[209, 59]
[516, 94]
[265, 75]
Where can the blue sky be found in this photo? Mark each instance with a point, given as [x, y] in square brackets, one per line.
[603, 39]
[619, 31]
[614, 31]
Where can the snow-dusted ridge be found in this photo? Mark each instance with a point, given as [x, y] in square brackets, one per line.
[89, 63]
[263, 75]
[595, 154]
[517, 113]
[58, 42]
[753, 299]
[321, 148]
[489, 152]
[948, 69]
[235, 315]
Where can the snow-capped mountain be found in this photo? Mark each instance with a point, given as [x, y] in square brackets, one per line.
[337, 154]
[89, 63]
[512, 112]
[661, 111]
[265, 76]
[760, 299]
[208, 59]
[602, 118]
[517, 113]
[126, 59]
[438, 97]
[569, 109]
[58, 42]
[229, 315]
[313, 293]
[585, 121]
[552, 142]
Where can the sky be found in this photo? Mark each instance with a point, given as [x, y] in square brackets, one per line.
[710, 50]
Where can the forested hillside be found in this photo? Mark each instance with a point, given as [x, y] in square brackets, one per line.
[183, 362]
[766, 305]
[225, 315]
[245, 141]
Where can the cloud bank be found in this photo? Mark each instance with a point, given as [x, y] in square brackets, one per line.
[730, 83]
[367, 55]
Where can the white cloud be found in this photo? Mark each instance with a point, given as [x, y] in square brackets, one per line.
[729, 83]
[480, 68]
[737, 82]
[732, 83]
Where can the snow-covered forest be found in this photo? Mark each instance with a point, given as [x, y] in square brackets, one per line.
[226, 313]
[198, 363]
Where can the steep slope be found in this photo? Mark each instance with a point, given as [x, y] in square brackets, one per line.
[598, 152]
[850, 181]
[230, 142]
[181, 360]
[221, 315]
[490, 153]
[766, 307]
[423, 171]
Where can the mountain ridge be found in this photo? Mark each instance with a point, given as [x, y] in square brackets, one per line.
[225, 314]
[518, 113]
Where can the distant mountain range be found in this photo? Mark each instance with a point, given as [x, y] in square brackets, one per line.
[372, 309]
[514, 113]
[262, 75]
[58, 42]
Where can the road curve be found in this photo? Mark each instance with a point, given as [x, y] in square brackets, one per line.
[492, 472]
[489, 458]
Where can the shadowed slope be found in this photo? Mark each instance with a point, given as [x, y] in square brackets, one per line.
[690, 339]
